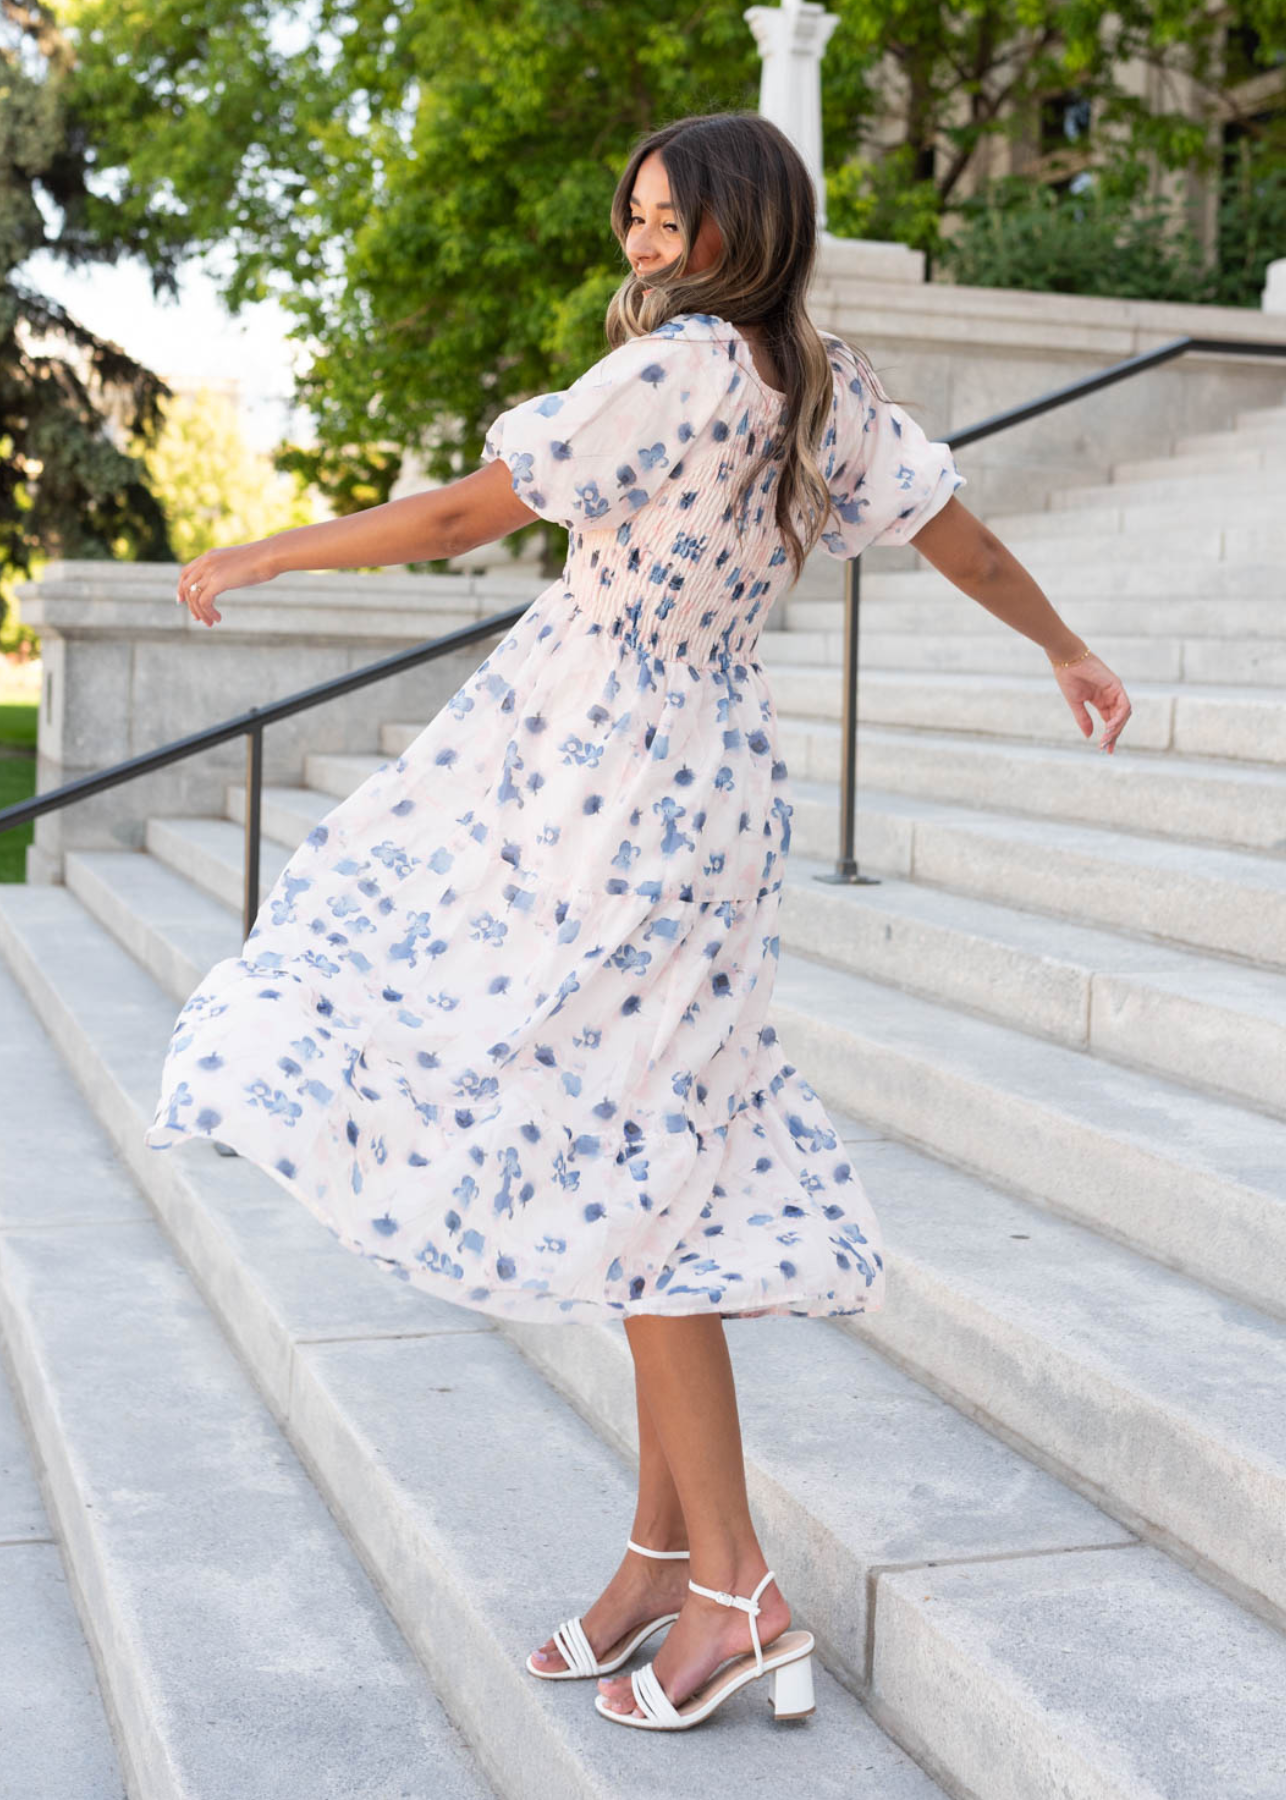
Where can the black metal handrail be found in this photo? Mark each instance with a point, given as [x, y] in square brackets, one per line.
[252, 723]
[846, 869]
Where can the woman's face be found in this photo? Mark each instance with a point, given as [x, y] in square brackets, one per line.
[654, 239]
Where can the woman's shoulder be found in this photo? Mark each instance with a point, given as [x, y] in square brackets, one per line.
[684, 347]
[844, 359]
[694, 325]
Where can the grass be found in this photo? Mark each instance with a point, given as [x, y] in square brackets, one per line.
[18, 720]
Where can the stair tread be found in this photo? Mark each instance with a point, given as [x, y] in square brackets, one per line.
[1194, 1131]
[1018, 682]
[1154, 855]
[46, 1669]
[1066, 1640]
[1217, 1365]
[1170, 764]
[1256, 992]
[216, 1568]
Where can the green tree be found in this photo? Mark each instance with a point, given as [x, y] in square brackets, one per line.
[424, 184]
[66, 489]
[213, 487]
[971, 70]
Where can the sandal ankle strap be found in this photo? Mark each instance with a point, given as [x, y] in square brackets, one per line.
[749, 1605]
[644, 1551]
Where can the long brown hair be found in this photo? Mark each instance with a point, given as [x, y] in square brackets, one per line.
[746, 174]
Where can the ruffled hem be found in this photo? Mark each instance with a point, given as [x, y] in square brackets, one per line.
[773, 1181]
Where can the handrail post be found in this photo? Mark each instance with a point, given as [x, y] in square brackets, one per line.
[254, 795]
[846, 869]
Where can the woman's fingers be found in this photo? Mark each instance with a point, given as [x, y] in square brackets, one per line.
[1116, 709]
[198, 588]
[1104, 692]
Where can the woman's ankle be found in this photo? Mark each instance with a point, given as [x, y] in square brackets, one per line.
[731, 1566]
[660, 1534]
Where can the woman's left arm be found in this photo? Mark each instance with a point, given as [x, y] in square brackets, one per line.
[973, 558]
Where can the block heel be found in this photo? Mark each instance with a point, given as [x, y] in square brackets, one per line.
[791, 1690]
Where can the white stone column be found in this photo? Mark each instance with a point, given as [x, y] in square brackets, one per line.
[1274, 295]
[792, 39]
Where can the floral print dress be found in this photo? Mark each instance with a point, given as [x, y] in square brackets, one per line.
[502, 1022]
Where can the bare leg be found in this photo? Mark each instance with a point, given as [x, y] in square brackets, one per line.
[643, 1587]
[685, 1373]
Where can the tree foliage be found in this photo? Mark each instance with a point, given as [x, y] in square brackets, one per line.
[971, 70]
[425, 184]
[213, 487]
[66, 489]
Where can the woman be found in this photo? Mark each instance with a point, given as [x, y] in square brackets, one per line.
[502, 1022]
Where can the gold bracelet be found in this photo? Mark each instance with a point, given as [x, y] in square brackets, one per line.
[1073, 659]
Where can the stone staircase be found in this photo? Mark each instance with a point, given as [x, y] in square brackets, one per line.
[1034, 1510]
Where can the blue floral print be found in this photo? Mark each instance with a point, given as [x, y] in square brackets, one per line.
[501, 1024]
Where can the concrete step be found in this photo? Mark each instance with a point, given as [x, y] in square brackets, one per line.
[1019, 1288]
[1089, 538]
[1245, 724]
[902, 648]
[242, 1646]
[1236, 530]
[1189, 1179]
[336, 774]
[428, 1490]
[1215, 1025]
[46, 1669]
[1229, 455]
[1127, 1141]
[939, 611]
[1197, 799]
[1236, 660]
[1267, 437]
[1227, 901]
[1086, 1659]
[211, 854]
[1065, 574]
[1231, 495]
[1273, 417]
[287, 814]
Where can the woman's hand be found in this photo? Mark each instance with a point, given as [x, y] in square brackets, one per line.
[215, 571]
[1092, 680]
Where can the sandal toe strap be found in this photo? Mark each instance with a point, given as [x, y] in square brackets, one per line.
[653, 1701]
[575, 1648]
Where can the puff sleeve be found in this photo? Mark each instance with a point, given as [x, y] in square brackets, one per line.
[885, 477]
[594, 453]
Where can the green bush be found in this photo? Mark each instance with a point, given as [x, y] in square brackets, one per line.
[1017, 235]
[1110, 239]
[1252, 220]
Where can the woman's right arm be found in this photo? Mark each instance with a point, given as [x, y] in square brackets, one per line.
[444, 521]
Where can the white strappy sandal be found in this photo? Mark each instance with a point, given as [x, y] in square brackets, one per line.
[789, 1662]
[575, 1649]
